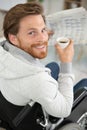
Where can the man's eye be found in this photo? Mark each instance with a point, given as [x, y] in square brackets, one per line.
[44, 30]
[31, 33]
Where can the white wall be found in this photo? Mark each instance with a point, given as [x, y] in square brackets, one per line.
[50, 6]
[7, 4]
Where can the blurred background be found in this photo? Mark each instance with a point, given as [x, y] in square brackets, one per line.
[53, 6]
[50, 6]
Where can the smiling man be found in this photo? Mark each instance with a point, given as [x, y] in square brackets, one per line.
[23, 77]
[32, 36]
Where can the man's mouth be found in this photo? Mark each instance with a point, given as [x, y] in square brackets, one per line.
[41, 47]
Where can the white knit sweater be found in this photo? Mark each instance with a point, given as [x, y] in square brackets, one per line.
[23, 79]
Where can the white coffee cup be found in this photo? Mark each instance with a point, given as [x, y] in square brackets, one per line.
[63, 41]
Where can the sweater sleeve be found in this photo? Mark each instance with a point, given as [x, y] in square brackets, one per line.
[55, 97]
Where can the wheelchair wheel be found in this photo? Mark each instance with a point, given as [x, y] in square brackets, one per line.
[71, 126]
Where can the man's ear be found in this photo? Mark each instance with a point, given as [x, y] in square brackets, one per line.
[13, 39]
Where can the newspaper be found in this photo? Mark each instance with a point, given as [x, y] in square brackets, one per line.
[71, 23]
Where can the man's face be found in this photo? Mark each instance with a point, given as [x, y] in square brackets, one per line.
[33, 36]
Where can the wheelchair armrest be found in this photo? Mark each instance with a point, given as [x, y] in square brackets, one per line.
[21, 115]
[79, 95]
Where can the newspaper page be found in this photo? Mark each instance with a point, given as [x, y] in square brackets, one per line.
[71, 23]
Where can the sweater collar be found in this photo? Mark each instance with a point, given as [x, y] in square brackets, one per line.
[19, 53]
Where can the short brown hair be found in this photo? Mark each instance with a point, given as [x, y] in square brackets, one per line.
[16, 13]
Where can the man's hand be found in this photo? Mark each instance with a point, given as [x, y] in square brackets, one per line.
[66, 54]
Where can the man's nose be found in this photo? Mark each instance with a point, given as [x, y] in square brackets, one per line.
[42, 37]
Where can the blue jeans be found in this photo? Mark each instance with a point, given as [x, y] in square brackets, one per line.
[54, 67]
[81, 84]
[55, 72]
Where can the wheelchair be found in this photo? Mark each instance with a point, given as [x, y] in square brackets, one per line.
[12, 116]
[78, 117]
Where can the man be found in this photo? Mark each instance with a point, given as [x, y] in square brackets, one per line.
[23, 77]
